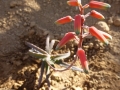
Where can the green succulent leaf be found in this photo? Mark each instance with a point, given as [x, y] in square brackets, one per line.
[37, 55]
[52, 44]
[47, 47]
[60, 56]
[74, 68]
[35, 47]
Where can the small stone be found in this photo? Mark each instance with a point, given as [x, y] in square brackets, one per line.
[101, 25]
[96, 46]
[110, 21]
[55, 76]
[43, 88]
[116, 21]
[91, 45]
[32, 24]
[86, 47]
[31, 32]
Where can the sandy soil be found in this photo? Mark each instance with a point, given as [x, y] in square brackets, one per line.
[32, 20]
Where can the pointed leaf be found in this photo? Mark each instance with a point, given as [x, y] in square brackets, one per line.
[35, 47]
[99, 5]
[97, 14]
[68, 36]
[64, 20]
[37, 55]
[60, 56]
[52, 44]
[47, 47]
[74, 68]
[83, 59]
[95, 32]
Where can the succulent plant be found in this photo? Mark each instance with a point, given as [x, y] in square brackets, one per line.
[48, 60]
[81, 30]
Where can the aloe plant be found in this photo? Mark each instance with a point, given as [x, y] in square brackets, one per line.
[81, 30]
[48, 60]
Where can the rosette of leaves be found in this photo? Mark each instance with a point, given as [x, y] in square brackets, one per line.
[48, 60]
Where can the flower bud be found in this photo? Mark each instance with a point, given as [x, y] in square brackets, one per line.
[83, 59]
[64, 20]
[96, 15]
[99, 5]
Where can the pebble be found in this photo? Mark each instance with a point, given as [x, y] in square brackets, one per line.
[91, 45]
[31, 32]
[32, 24]
[96, 46]
[55, 76]
[110, 21]
[116, 21]
[101, 25]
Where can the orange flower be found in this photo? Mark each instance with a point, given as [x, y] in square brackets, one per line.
[74, 2]
[95, 32]
[99, 5]
[77, 24]
[64, 20]
[97, 14]
[68, 36]
[83, 60]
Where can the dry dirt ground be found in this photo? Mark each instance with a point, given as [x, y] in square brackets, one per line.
[32, 20]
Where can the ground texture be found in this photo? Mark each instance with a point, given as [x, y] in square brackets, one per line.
[32, 20]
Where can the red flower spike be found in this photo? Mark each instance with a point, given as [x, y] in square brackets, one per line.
[77, 24]
[74, 2]
[97, 14]
[95, 32]
[68, 36]
[106, 35]
[83, 60]
[98, 5]
[64, 20]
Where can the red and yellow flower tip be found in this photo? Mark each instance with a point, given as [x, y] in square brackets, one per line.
[99, 5]
[95, 32]
[68, 36]
[77, 24]
[83, 59]
[96, 15]
[64, 20]
[106, 35]
[74, 2]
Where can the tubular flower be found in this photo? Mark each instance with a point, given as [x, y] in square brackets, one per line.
[99, 5]
[97, 14]
[95, 32]
[68, 36]
[64, 20]
[74, 2]
[83, 60]
[106, 35]
[77, 24]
